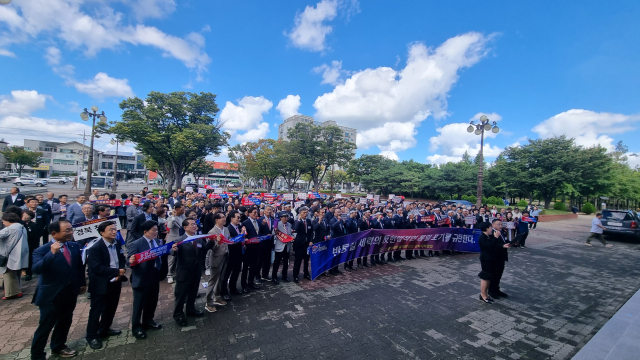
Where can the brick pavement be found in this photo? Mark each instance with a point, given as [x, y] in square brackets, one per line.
[562, 293]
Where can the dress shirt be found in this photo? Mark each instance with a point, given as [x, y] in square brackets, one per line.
[113, 255]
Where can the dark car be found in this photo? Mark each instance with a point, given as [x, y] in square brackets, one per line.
[459, 203]
[621, 223]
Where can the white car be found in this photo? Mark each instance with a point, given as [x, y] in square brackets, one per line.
[59, 179]
[22, 181]
[136, 181]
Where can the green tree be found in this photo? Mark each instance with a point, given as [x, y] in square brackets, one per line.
[366, 165]
[289, 161]
[20, 157]
[200, 168]
[259, 160]
[320, 147]
[174, 129]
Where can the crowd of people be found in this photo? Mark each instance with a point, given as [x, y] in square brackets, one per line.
[152, 220]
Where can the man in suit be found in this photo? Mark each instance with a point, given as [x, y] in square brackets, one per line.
[351, 225]
[174, 224]
[304, 239]
[365, 224]
[481, 217]
[61, 280]
[59, 209]
[132, 211]
[250, 261]
[135, 231]
[14, 198]
[174, 199]
[145, 281]
[266, 224]
[47, 215]
[234, 262]
[189, 258]
[86, 215]
[501, 258]
[75, 210]
[217, 263]
[400, 222]
[106, 267]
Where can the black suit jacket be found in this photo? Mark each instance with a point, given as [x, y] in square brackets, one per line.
[235, 250]
[145, 273]
[251, 230]
[320, 230]
[136, 226]
[99, 266]
[491, 248]
[8, 201]
[190, 257]
[56, 274]
[363, 226]
[304, 234]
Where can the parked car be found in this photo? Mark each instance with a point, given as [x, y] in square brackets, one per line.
[459, 203]
[136, 181]
[59, 179]
[621, 222]
[22, 181]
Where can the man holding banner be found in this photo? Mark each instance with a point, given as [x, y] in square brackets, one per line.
[282, 248]
[250, 259]
[145, 281]
[217, 263]
[304, 239]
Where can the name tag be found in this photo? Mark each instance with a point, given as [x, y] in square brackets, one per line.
[308, 227]
[121, 251]
[198, 245]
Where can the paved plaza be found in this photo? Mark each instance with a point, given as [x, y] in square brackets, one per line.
[561, 293]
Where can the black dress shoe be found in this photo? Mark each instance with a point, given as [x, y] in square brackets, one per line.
[245, 290]
[226, 297]
[493, 294]
[502, 294]
[370, 265]
[486, 301]
[383, 262]
[140, 334]
[254, 287]
[391, 260]
[235, 292]
[153, 325]
[196, 313]
[346, 268]
[27, 278]
[307, 277]
[66, 352]
[326, 274]
[295, 280]
[182, 321]
[286, 279]
[275, 281]
[362, 267]
[95, 344]
[110, 332]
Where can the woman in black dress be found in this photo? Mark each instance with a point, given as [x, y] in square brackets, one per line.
[489, 248]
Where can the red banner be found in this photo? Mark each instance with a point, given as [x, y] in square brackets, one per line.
[426, 218]
[283, 237]
[445, 221]
[112, 203]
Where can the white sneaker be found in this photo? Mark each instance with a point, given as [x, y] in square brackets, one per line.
[170, 279]
[608, 245]
[588, 244]
[207, 272]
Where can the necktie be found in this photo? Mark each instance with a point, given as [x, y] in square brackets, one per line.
[255, 225]
[66, 253]
[158, 263]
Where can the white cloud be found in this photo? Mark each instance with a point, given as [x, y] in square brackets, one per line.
[53, 56]
[372, 98]
[246, 116]
[309, 31]
[254, 134]
[102, 86]
[4, 52]
[453, 141]
[390, 155]
[289, 106]
[394, 137]
[331, 75]
[22, 102]
[491, 116]
[151, 8]
[589, 128]
[67, 21]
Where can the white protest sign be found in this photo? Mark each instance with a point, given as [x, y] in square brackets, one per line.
[89, 229]
[298, 204]
[391, 196]
[303, 196]
[202, 191]
[369, 196]
[509, 225]
[338, 196]
[287, 197]
[470, 220]
[188, 189]
[218, 191]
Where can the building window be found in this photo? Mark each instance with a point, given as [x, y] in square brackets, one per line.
[27, 148]
[64, 162]
[45, 161]
[125, 167]
[66, 151]
[107, 165]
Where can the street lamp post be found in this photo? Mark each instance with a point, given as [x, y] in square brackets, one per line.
[115, 141]
[479, 129]
[85, 115]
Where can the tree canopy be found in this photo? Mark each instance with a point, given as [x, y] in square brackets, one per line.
[20, 157]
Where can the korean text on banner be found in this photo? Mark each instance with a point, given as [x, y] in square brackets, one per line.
[303, 196]
[188, 189]
[89, 229]
[288, 197]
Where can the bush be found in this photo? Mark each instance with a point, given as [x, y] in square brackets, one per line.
[522, 203]
[492, 200]
[588, 208]
[559, 205]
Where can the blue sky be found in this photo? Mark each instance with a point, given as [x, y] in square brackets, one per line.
[408, 75]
